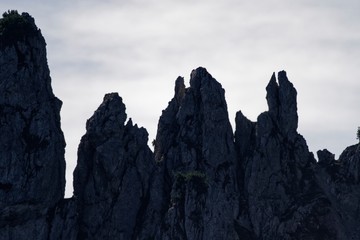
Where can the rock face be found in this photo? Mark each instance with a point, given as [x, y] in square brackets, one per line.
[32, 165]
[202, 182]
[195, 147]
[340, 181]
[30, 125]
[113, 174]
[283, 198]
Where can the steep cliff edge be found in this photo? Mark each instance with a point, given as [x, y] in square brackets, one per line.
[283, 198]
[113, 174]
[32, 165]
[203, 181]
[195, 147]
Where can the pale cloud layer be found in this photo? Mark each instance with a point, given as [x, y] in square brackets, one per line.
[138, 48]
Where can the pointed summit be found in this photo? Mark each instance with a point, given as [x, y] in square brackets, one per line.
[32, 143]
[179, 89]
[113, 174]
[281, 98]
[272, 96]
[109, 117]
[195, 141]
[288, 105]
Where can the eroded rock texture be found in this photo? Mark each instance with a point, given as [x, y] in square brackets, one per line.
[113, 174]
[32, 165]
[201, 182]
[284, 200]
[340, 182]
[32, 143]
[195, 147]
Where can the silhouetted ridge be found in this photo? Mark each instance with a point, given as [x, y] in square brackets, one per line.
[202, 182]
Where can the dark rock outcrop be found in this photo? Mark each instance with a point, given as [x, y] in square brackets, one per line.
[32, 143]
[32, 165]
[113, 174]
[195, 147]
[201, 182]
[284, 201]
[340, 182]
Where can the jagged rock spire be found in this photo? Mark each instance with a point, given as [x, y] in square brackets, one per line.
[199, 184]
[279, 181]
[32, 165]
[195, 145]
[281, 98]
[113, 174]
[32, 143]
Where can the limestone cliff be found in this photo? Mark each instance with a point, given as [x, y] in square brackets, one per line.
[203, 181]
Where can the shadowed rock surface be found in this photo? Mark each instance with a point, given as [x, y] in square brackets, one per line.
[195, 147]
[32, 143]
[340, 182]
[284, 200]
[202, 182]
[113, 174]
[32, 165]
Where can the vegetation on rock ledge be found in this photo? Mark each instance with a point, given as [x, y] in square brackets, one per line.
[14, 27]
[197, 179]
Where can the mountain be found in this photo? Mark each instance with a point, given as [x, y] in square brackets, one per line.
[202, 181]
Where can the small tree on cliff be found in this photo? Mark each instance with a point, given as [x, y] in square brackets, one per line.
[15, 27]
[358, 134]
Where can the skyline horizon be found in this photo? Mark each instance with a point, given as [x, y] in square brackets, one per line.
[138, 49]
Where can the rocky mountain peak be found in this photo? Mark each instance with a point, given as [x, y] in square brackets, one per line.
[272, 96]
[30, 121]
[110, 116]
[202, 181]
[201, 111]
[24, 70]
[278, 177]
[281, 98]
[32, 145]
[179, 89]
[198, 76]
[113, 173]
[195, 147]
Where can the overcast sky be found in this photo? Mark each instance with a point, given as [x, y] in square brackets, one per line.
[138, 48]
